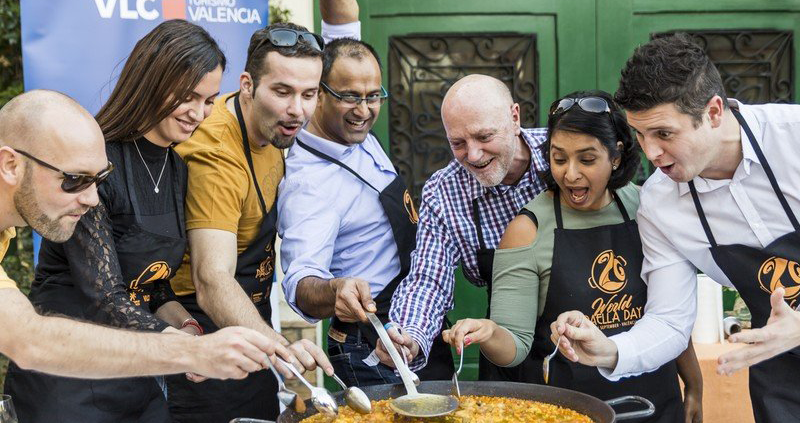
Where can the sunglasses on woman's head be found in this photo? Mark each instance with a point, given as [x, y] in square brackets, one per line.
[591, 104]
[73, 183]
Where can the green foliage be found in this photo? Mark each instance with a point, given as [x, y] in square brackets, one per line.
[278, 14]
[18, 262]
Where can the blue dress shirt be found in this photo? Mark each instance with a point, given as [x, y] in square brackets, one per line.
[331, 224]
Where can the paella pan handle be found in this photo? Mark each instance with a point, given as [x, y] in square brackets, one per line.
[651, 409]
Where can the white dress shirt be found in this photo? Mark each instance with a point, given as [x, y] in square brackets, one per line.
[331, 223]
[742, 210]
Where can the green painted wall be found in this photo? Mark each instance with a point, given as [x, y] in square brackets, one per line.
[582, 44]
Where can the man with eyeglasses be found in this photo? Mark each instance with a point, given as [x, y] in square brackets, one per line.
[347, 222]
[50, 191]
[235, 163]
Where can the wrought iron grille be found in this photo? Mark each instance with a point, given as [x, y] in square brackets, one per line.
[422, 67]
[757, 66]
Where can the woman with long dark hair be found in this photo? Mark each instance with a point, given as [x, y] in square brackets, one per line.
[116, 268]
[576, 246]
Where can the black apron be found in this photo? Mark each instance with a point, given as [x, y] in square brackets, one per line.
[486, 369]
[399, 209]
[144, 258]
[256, 395]
[598, 272]
[756, 272]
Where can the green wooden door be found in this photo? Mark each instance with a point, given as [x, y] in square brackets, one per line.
[576, 44]
[537, 47]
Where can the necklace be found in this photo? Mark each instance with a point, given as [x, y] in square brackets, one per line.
[164, 166]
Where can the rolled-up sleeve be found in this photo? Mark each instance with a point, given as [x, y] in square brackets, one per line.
[663, 332]
[424, 297]
[308, 227]
[348, 30]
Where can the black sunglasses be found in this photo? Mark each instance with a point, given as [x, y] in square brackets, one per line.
[354, 100]
[591, 104]
[73, 183]
[287, 37]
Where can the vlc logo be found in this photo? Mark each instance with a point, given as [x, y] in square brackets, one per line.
[778, 272]
[608, 272]
[131, 9]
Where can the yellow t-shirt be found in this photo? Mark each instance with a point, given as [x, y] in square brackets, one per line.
[221, 194]
[5, 240]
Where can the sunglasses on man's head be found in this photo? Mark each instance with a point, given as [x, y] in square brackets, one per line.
[287, 37]
[73, 183]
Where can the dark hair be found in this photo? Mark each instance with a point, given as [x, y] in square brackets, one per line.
[600, 126]
[671, 69]
[347, 47]
[260, 46]
[161, 71]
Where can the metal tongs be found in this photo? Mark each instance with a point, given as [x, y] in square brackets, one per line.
[413, 403]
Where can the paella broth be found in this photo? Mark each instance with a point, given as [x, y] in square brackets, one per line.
[473, 409]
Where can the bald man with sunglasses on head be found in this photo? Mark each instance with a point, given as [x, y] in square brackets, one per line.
[50, 191]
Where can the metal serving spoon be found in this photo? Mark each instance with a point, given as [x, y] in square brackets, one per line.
[355, 397]
[546, 362]
[412, 404]
[320, 397]
[456, 390]
[286, 396]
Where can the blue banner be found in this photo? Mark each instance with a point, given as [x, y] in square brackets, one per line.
[78, 47]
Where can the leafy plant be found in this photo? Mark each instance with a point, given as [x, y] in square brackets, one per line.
[279, 14]
[18, 262]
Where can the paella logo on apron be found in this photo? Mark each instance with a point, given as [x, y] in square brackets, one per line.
[608, 276]
[608, 272]
[777, 272]
[410, 209]
[267, 266]
[153, 272]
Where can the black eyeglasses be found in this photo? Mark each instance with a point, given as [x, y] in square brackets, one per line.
[591, 104]
[354, 100]
[287, 37]
[73, 183]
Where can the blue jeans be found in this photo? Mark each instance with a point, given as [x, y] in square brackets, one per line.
[348, 357]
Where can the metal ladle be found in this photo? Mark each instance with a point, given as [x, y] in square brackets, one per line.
[286, 396]
[320, 397]
[355, 397]
[412, 404]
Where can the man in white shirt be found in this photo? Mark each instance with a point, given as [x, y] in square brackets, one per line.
[723, 201]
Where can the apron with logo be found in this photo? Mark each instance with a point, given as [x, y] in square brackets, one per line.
[597, 271]
[756, 272]
[256, 395]
[486, 369]
[399, 209]
[144, 257]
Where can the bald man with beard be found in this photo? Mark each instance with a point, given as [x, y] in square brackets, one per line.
[464, 210]
[52, 156]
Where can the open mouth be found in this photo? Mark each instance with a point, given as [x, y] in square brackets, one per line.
[289, 128]
[482, 165]
[357, 125]
[667, 169]
[578, 195]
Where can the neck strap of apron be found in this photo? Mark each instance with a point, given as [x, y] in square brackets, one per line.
[324, 156]
[560, 220]
[247, 154]
[476, 218]
[767, 169]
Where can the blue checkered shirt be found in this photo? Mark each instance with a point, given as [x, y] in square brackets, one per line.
[447, 237]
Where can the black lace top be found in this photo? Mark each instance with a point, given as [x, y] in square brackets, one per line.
[82, 277]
